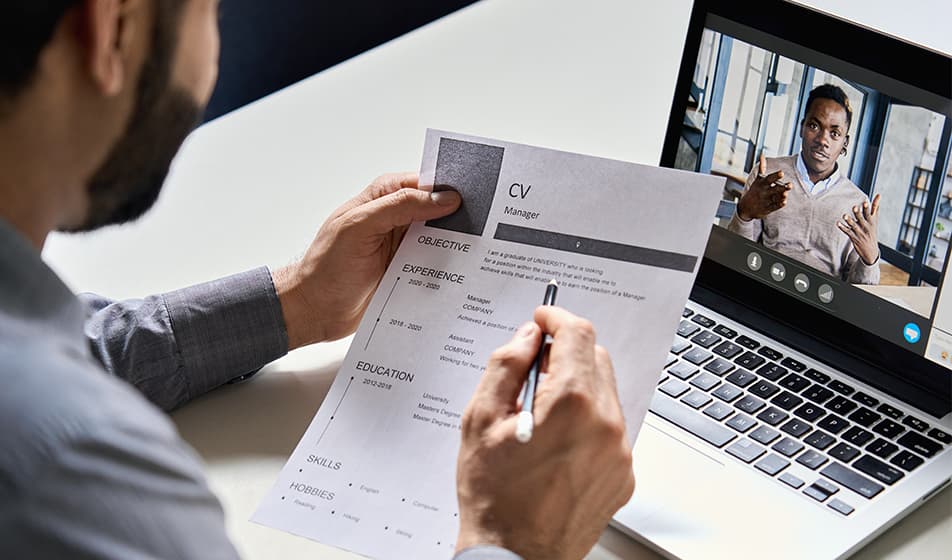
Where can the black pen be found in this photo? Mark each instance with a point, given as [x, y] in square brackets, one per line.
[525, 421]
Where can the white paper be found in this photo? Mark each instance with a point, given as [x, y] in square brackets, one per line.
[375, 471]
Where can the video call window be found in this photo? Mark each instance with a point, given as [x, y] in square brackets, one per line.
[746, 101]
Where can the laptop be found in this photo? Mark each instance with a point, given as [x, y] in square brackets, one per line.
[804, 408]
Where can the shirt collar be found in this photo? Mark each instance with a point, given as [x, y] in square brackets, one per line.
[819, 186]
[31, 293]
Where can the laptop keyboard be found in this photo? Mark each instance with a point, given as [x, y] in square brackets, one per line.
[794, 423]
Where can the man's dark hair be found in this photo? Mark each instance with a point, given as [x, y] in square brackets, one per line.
[834, 93]
[25, 28]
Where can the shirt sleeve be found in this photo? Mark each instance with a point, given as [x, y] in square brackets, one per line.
[176, 346]
[859, 272]
[486, 553]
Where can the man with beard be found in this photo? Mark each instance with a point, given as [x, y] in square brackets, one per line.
[818, 217]
[96, 97]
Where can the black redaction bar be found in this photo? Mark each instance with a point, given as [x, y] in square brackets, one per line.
[595, 247]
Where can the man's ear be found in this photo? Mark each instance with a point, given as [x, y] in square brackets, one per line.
[109, 30]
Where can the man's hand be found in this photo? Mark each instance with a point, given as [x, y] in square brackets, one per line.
[549, 498]
[324, 295]
[861, 229]
[765, 195]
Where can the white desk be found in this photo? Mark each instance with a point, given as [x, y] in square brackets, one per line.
[252, 188]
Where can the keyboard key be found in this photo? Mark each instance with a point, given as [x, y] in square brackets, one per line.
[686, 313]
[840, 506]
[770, 353]
[786, 400]
[819, 439]
[793, 364]
[708, 430]
[939, 435]
[856, 435]
[747, 342]
[683, 370]
[809, 412]
[812, 460]
[706, 339]
[906, 461]
[750, 404]
[881, 448]
[890, 411]
[788, 447]
[696, 399]
[834, 424]
[863, 398]
[745, 450]
[679, 345]
[764, 435]
[705, 381]
[674, 388]
[703, 321]
[724, 331]
[728, 350]
[671, 359]
[841, 388]
[877, 469]
[772, 372]
[772, 464]
[794, 383]
[719, 411]
[915, 423]
[796, 427]
[888, 428]
[826, 486]
[727, 393]
[864, 417]
[844, 452]
[852, 480]
[817, 376]
[920, 444]
[840, 405]
[687, 328]
[742, 378]
[791, 481]
[719, 366]
[697, 356]
[773, 416]
[741, 422]
[817, 394]
[763, 389]
[749, 360]
[816, 493]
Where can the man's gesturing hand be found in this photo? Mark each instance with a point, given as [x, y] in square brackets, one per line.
[861, 229]
[324, 295]
[765, 195]
[549, 498]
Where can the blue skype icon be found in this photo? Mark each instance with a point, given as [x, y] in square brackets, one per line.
[911, 333]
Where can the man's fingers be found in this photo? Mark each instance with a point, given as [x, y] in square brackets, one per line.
[380, 187]
[846, 229]
[774, 177]
[506, 372]
[763, 165]
[403, 207]
[573, 338]
[875, 207]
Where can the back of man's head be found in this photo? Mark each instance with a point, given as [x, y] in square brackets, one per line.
[833, 93]
[25, 28]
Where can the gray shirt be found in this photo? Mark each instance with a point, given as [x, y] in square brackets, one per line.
[90, 466]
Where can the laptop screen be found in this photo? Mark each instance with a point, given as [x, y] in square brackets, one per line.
[838, 174]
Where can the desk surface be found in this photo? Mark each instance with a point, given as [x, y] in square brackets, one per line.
[252, 188]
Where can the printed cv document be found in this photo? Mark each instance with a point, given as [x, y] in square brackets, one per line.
[375, 471]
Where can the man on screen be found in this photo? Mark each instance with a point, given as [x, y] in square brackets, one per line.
[817, 215]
